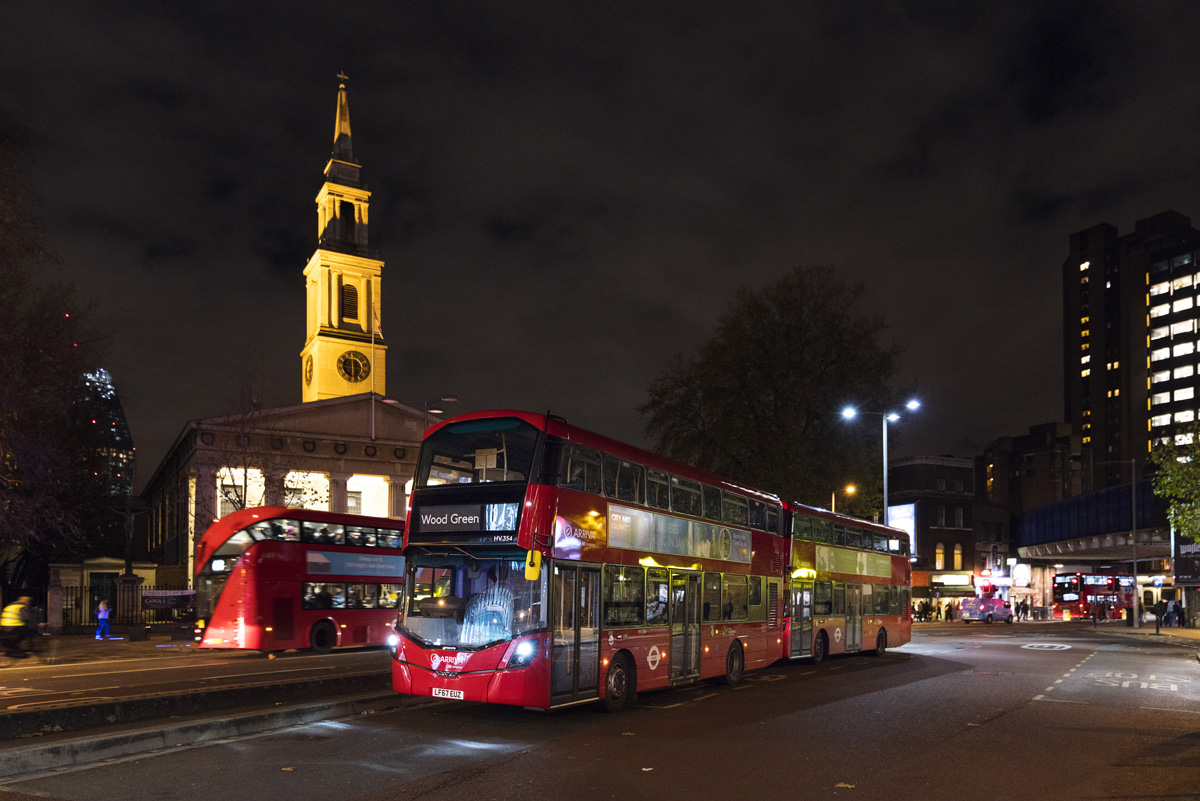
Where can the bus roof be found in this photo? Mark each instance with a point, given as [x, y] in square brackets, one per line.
[795, 507]
[559, 427]
[224, 528]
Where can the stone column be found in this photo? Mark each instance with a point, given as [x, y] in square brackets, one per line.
[54, 603]
[206, 498]
[274, 494]
[396, 499]
[337, 491]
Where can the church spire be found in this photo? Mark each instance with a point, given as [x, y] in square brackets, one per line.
[343, 150]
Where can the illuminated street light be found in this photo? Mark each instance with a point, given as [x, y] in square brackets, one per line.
[850, 413]
[849, 489]
[435, 406]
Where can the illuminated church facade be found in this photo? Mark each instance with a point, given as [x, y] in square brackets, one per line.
[346, 447]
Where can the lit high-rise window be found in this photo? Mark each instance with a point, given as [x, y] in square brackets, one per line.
[1161, 310]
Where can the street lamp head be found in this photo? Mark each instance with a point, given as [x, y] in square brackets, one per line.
[913, 405]
[434, 410]
[454, 399]
[849, 412]
[851, 489]
[892, 417]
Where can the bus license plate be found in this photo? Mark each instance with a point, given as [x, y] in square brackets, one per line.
[438, 692]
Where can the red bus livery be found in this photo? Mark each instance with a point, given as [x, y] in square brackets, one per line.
[1080, 594]
[274, 578]
[550, 566]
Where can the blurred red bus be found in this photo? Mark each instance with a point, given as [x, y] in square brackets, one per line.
[273, 578]
[1078, 595]
[549, 566]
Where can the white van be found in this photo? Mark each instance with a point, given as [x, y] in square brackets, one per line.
[985, 609]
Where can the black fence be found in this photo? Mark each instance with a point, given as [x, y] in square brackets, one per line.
[153, 606]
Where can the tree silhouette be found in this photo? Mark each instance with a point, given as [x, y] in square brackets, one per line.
[760, 400]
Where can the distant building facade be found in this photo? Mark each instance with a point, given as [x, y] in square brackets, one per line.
[1045, 466]
[1130, 341]
[956, 536]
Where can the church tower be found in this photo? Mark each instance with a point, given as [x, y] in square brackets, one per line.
[344, 352]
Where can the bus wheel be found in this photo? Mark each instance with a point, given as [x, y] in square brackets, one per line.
[880, 643]
[820, 648]
[619, 684]
[735, 665]
[989, 620]
[322, 638]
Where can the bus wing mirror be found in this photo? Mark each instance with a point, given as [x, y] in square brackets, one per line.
[533, 565]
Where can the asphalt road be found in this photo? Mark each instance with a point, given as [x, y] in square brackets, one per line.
[1018, 712]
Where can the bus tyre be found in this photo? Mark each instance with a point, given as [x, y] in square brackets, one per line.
[820, 648]
[880, 643]
[989, 620]
[735, 665]
[619, 684]
[322, 637]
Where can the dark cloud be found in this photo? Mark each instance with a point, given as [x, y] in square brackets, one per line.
[567, 195]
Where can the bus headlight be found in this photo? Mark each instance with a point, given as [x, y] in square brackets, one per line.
[393, 640]
[523, 654]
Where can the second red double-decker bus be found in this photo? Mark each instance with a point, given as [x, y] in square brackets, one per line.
[549, 566]
[274, 578]
[1084, 595]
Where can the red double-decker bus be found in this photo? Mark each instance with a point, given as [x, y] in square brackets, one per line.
[549, 566]
[1085, 595]
[274, 578]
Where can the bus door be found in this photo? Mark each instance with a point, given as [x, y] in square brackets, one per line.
[853, 617]
[802, 622]
[685, 625]
[575, 626]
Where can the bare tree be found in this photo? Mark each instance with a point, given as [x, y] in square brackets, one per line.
[48, 495]
[759, 401]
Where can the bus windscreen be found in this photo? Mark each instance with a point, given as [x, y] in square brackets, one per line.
[469, 604]
[478, 452]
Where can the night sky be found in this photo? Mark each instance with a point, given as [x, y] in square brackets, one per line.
[567, 194]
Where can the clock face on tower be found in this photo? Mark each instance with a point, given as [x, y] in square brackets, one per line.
[353, 366]
[308, 370]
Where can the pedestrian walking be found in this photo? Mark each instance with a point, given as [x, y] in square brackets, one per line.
[102, 616]
[16, 627]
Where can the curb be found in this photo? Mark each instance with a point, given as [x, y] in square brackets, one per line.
[18, 761]
[97, 712]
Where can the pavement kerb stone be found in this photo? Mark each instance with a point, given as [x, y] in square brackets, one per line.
[21, 760]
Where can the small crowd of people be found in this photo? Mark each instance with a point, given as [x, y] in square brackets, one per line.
[1171, 614]
[931, 611]
[928, 611]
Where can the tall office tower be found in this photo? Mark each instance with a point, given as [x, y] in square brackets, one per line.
[1129, 341]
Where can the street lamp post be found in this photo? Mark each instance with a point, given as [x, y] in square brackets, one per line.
[434, 406]
[850, 413]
